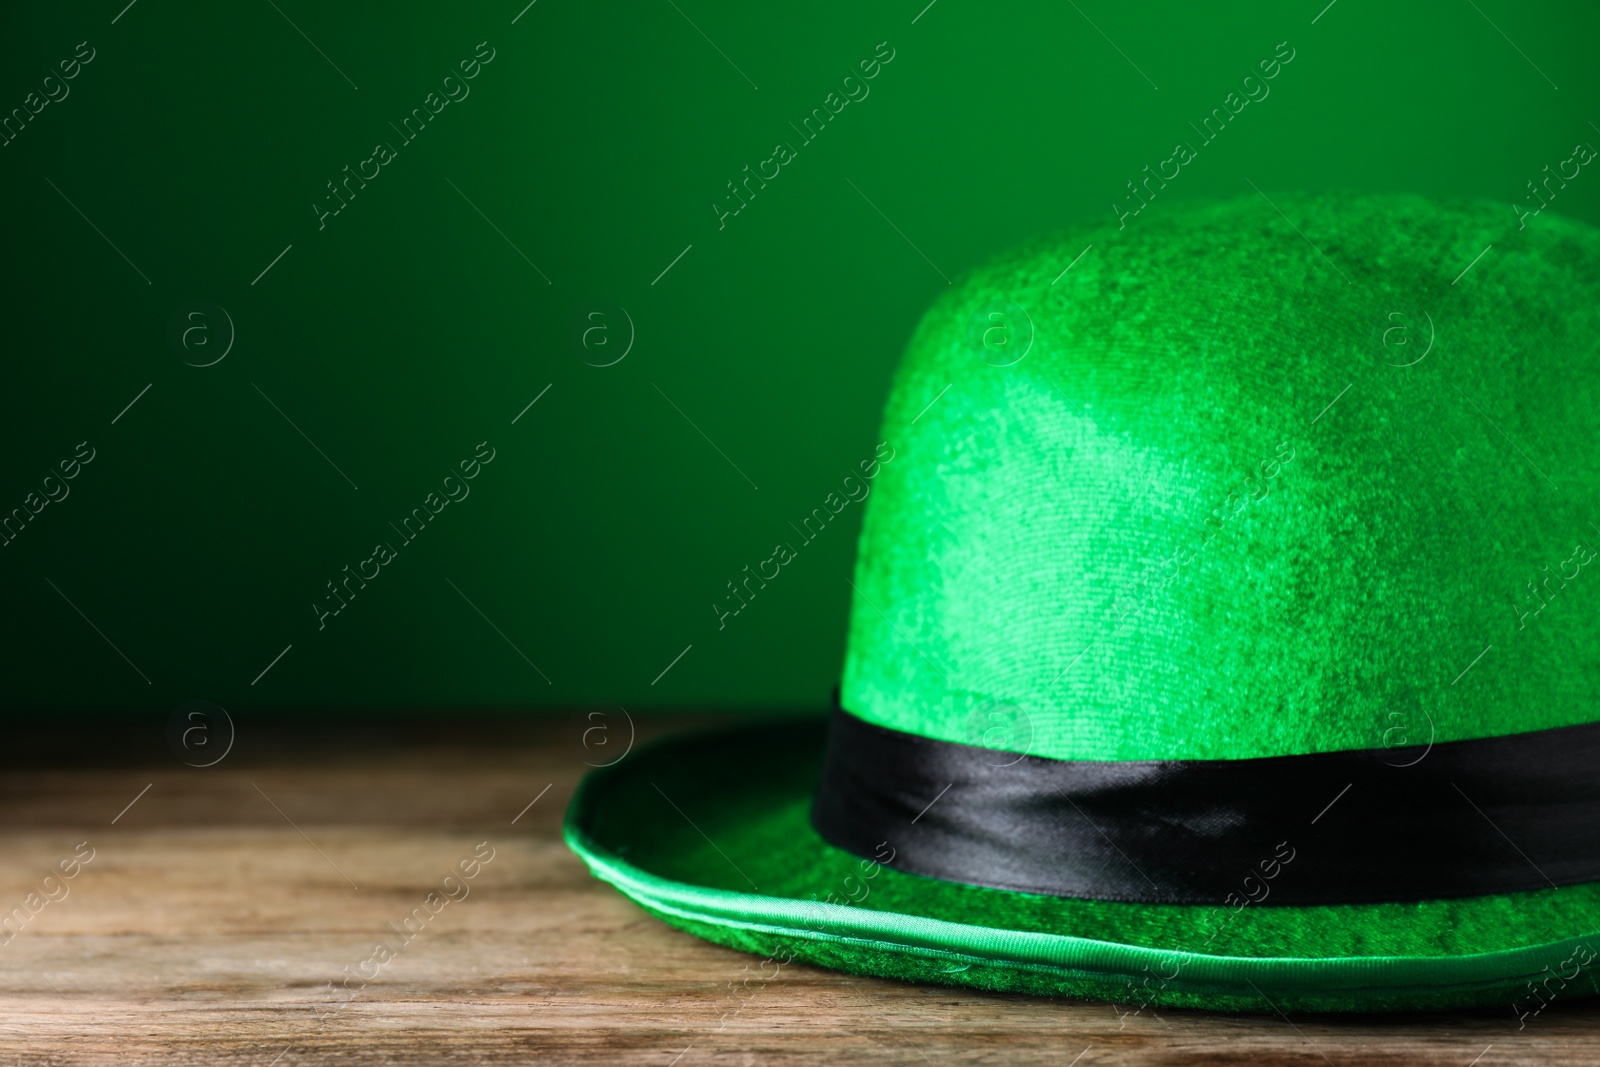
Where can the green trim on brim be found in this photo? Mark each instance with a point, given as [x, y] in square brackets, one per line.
[711, 833]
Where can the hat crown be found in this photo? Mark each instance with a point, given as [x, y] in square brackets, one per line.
[1224, 489]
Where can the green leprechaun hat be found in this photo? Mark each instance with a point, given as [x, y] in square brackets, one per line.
[1223, 634]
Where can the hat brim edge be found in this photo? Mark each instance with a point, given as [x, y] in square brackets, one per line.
[894, 944]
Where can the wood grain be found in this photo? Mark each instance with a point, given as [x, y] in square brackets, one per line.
[219, 908]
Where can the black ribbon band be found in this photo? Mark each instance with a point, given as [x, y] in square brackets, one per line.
[1454, 819]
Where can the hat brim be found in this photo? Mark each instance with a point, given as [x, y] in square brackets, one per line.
[711, 832]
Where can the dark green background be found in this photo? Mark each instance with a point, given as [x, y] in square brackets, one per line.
[409, 330]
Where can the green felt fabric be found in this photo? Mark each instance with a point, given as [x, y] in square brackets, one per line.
[711, 833]
[1141, 541]
[1245, 481]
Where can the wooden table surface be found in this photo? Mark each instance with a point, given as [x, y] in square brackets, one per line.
[217, 909]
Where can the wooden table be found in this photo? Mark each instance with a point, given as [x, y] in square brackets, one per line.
[219, 906]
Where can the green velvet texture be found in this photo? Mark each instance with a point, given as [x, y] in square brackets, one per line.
[1141, 541]
[1245, 481]
[729, 812]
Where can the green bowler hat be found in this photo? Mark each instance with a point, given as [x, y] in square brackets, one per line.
[1223, 634]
